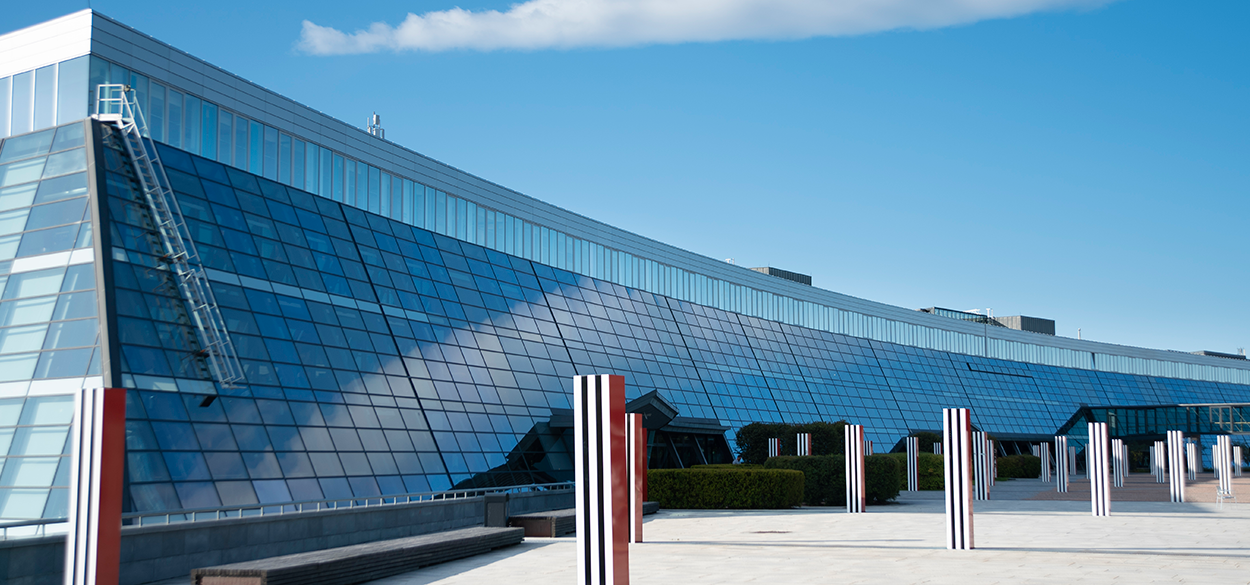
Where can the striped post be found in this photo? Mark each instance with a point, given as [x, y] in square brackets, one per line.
[1071, 461]
[1128, 463]
[97, 454]
[1237, 464]
[1118, 462]
[1061, 465]
[913, 467]
[602, 472]
[980, 466]
[1175, 456]
[1099, 483]
[1191, 459]
[867, 448]
[636, 438]
[804, 441]
[774, 447]
[937, 448]
[1222, 463]
[957, 433]
[1033, 449]
[1157, 462]
[1043, 450]
[854, 441]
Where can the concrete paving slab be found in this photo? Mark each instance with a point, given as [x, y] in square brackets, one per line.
[1019, 541]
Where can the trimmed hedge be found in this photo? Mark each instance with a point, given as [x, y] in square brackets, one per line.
[825, 477]
[725, 487]
[753, 439]
[930, 468]
[1026, 466]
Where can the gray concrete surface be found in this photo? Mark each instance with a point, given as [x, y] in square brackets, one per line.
[1018, 540]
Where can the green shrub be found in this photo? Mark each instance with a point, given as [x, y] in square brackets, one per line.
[825, 477]
[881, 477]
[753, 439]
[1026, 466]
[734, 487]
[929, 468]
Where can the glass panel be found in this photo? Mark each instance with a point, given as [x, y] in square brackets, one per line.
[62, 163]
[23, 103]
[191, 141]
[60, 188]
[26, 146]
[297, 164]
[208, 131]
[68, 137]
[256, 150]
[156, 112]
[54, 214]
[336, 182]
[45, 97]
[22, 339]
[6, 84]
[225, 129]
[66, 334]
[72, 95]
[271, 153]
[26, 311]
[48, 241]
[30, 284]
[240, 142]
[284, 159]
[175, 119]
[17, 367]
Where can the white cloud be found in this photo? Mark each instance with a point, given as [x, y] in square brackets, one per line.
[563, 24]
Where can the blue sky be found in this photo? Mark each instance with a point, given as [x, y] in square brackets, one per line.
[1089, 165]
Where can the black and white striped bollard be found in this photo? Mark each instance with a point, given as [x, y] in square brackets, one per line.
[957, 436]
[980, 465]
[774, 447]
[1175, 463]
[804, 441]
[913, 470]
[1097, 455]
[854, 441]
[602, 489]
[1118, 462]
[1061, 465]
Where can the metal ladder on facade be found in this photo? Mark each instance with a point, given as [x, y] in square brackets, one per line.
[116, 103]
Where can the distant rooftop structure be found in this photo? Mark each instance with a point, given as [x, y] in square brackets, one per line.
[786, 274]
[1231, 356]
[1017, 322]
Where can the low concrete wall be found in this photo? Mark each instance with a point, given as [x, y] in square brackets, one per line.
[156, 553]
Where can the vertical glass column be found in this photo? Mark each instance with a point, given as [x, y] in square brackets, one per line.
[271, 154]
[297, 164]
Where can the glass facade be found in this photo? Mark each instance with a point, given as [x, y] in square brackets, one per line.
[49, 326]
[199, 126]
[382, 358]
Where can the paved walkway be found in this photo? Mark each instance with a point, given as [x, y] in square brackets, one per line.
[1019, 541]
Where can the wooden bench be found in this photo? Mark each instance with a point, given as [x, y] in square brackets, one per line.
[361, 562]
[559, 522]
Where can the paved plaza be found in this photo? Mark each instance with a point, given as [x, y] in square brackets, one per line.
[1019, 540]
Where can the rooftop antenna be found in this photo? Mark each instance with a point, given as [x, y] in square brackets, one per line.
[375, 126]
